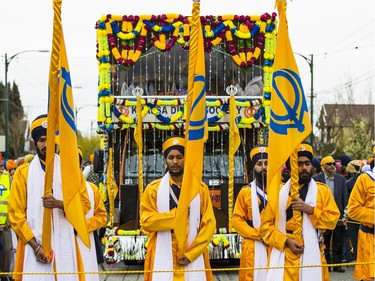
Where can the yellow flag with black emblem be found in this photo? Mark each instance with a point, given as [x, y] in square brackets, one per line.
[195, 132]
[61, 118]
[290, 120]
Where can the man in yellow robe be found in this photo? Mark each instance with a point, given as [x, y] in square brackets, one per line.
[319, 212]
[26, 205]
[157, 217]
[361, 208]
[247, 217]
[95, 218]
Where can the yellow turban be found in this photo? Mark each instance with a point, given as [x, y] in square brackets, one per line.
[177, 143]
[327, 159]
[28, 158]
[38, 127]
[305, 149]
[354, 166]
[259, 151]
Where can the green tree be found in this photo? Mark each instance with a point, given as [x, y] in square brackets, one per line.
[360, 143]
[17, 122]
[88, 144]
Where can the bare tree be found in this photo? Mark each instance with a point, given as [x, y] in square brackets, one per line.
[17, 127]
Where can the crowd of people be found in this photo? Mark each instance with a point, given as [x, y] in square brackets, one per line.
[334, 211]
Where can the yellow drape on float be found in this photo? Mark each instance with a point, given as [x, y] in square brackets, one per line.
[290, 120]
[112, 188]
[234, 143]
[139, 141]
[196, 129]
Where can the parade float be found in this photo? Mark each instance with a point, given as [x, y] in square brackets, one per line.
[143, 73]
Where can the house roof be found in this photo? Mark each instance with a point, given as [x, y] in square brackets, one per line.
[343, 114]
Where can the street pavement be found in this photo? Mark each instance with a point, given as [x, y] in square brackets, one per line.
[227, 272]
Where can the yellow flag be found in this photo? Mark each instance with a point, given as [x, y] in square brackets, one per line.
[234, 143]
[61, 118]
[52, 121]
[76, 202]
[196, 130]
[139, 141]
[290, 120]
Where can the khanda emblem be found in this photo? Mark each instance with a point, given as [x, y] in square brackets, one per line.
[198, 114]
[2, 188]
[66, 108]
[291, 107]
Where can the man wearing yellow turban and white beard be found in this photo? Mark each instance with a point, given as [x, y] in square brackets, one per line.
[157, 217]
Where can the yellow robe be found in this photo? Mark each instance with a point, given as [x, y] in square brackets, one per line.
[243, 212]
[152, 222]
[325, 216]
[361, 208]
[99, 219]
[17, 214]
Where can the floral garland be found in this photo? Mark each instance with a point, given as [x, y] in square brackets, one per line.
[106, 103]
[229, 246]
[179, 114]
[180, 126]
[132, 40]
[112, 244]
[158, 27]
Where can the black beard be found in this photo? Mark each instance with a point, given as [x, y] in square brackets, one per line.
[261, 178]
[178, 174]
[41, 155]
[305, 180]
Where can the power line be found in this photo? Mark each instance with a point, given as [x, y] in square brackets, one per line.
[353, 82]
[352, 34]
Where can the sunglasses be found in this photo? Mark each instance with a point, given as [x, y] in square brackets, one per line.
[330, 164]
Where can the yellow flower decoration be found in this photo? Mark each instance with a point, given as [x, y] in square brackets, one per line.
[176, 116]
[245, 120]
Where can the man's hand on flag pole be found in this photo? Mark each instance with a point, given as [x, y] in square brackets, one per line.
[52, 203]
[183, 261]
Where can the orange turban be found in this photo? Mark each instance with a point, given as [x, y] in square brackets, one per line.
[11, 164]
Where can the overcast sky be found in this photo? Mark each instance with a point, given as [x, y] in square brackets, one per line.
[339, 33]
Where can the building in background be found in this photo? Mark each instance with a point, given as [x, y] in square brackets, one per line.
[337, 124]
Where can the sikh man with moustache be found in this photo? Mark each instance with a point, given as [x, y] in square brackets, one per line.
[158, 208]
[26, 206]
[319, 212]
[247, 218]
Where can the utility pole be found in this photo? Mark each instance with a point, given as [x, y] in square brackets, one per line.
[6, 96]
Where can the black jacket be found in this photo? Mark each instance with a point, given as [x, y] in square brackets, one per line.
[340, 193]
